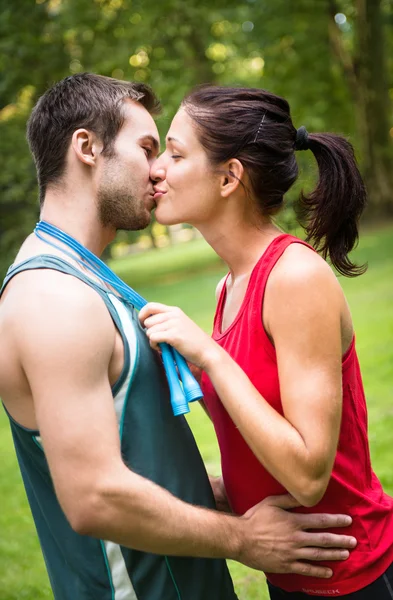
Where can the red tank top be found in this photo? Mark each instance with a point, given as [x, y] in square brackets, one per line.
[353, 488]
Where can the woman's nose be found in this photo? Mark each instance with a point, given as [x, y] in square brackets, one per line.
[157, 174]
[157, 171]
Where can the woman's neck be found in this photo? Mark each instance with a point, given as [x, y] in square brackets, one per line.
[239, 245]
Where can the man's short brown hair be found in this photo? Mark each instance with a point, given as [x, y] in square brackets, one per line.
[84, 100]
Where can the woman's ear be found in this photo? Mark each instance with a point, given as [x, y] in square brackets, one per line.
[230, 181]
[86, 147]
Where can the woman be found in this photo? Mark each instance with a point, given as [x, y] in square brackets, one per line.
[281, 378]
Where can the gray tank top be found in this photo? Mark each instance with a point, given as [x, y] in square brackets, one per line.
[154, 444]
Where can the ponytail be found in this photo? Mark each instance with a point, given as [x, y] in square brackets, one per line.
[330, 214]
[255, 126]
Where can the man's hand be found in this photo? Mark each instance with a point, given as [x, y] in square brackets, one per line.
[278, 541]
[220, 494]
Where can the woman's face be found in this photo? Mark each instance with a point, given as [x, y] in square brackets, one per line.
[187, 188]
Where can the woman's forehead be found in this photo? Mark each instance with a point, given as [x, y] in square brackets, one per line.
[182, 129]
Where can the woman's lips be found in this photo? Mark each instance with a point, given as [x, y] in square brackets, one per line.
[158, 194]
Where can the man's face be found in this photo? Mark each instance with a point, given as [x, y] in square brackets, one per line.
[124, 188]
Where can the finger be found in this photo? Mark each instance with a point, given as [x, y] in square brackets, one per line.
[321, 554]
[303, 568]
[165, 325]
[159, 334]
[323, 521]
[327, 540]
[152, 308]
[154, 345]
[285, 501]
[155, 319]
[155, 332]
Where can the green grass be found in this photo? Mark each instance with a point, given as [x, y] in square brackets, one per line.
[167, 264]
[187, 275]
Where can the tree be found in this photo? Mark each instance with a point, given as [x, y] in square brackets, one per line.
[295, 49]
[365, 69]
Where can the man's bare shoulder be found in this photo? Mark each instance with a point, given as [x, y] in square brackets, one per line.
[44, 305]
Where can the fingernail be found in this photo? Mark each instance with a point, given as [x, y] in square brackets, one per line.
[344, 554]
[348, 520]
[328, 574]
[353, 542]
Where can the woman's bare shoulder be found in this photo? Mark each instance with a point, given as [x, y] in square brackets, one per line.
[302, 279]
[300, 264]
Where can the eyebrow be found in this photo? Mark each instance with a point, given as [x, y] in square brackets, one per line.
[153, 140]
[173, 139]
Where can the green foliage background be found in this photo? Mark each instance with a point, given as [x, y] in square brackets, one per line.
[317, 54]
[296, 49]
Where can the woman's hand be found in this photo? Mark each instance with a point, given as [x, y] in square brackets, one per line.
[169, 324]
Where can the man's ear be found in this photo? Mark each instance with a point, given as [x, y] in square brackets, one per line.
[86, 146]
[230, 181]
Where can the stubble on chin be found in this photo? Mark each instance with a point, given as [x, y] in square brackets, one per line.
[122, 211]
[118, 207]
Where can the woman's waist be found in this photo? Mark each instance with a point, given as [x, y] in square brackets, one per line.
[349, 576]
[247, 482]
[372, 526]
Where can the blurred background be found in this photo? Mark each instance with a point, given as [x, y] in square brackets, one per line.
[331, 59]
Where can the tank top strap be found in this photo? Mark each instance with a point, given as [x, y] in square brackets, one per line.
[55, 263]
[220, 306]
[257, 283]
[269, 259]
[111, 299]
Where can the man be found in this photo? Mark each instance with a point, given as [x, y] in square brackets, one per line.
[116, 485]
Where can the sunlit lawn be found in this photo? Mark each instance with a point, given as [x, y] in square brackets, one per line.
[22, 573]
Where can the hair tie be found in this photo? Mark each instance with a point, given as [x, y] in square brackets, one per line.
[301, 142]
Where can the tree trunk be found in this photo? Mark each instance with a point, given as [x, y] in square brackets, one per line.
[373, 95]
[366, 75]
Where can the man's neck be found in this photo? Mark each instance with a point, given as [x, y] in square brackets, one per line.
[81, 222]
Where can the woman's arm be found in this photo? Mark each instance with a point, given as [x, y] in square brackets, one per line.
[303, 312]
[302, 316]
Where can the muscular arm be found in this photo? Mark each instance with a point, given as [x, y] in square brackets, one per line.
[66, 341]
